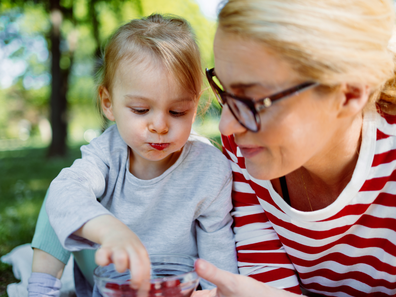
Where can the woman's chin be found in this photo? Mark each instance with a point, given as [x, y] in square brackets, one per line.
[259, 171]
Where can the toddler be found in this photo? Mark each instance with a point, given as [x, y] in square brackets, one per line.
[145, 186]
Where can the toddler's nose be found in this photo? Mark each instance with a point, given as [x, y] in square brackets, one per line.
[159, 125]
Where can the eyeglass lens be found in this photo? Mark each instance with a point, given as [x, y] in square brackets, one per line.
[242, 112]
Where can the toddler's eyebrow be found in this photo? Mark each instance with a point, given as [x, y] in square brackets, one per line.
[128, 96]
[183, 99]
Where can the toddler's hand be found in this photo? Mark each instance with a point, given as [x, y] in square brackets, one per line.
[121, 246]
[125, 250]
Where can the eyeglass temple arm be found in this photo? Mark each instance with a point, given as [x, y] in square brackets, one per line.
[267, 102]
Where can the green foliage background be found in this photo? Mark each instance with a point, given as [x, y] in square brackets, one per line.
[33, 20]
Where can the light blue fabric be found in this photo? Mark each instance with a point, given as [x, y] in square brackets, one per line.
[46, 240]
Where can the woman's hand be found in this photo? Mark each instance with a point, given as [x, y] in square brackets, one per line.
[233, 285]
[119, 245]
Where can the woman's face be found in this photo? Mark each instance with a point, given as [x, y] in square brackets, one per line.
[295, 131]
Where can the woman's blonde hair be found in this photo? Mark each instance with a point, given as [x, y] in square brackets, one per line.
[329, 41]
[166, 38]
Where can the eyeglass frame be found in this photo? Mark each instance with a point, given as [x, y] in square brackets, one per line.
[264, 103]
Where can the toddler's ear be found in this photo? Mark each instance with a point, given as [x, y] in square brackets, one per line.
[106, 104]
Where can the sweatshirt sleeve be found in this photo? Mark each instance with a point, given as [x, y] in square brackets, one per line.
[72, 196]
[261, 254]
[215, 238]
[45, 239]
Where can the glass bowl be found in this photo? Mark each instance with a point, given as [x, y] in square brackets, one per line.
[171, 276]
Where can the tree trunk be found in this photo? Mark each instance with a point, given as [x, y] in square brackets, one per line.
[58, 100]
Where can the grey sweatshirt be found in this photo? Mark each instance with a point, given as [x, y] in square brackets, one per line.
[185, 210]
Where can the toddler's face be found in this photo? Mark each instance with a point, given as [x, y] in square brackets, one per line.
[154, 115]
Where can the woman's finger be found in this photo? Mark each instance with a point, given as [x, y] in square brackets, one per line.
[234, 285]
[205, 293]
[225, 281]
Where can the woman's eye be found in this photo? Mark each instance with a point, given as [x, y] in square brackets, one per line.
[139, 110]
[177, 113]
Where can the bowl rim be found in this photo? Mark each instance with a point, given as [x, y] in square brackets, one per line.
[152, 280]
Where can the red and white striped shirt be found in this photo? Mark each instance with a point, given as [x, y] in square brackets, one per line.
[345, 249]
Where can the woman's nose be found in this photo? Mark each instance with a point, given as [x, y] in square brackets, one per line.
[159, 125]
[228, 124]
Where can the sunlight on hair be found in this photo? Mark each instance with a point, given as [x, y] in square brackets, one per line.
[325, 41]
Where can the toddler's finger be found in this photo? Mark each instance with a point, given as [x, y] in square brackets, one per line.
[140, 270]
[120, 259]
[144, 289]
[103, 257]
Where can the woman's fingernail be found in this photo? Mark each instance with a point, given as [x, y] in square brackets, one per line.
[202, 265]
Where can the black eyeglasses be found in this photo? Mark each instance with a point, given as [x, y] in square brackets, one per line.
[246, 110]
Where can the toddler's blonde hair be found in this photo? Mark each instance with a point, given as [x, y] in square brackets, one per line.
[328, 41]
[166, 38]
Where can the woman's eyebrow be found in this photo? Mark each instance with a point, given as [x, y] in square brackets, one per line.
[248, 86]
[275, 87]
[244, 86]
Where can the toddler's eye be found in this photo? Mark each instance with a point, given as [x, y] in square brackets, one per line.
[140, 110]
[177, 113]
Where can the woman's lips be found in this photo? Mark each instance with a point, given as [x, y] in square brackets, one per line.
[250, 152]
[159, 146]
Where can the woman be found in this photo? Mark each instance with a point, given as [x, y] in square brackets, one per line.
[311, 137]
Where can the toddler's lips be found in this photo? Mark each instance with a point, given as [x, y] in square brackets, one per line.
[159, 146]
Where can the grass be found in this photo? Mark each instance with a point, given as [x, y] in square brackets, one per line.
[25, 177]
